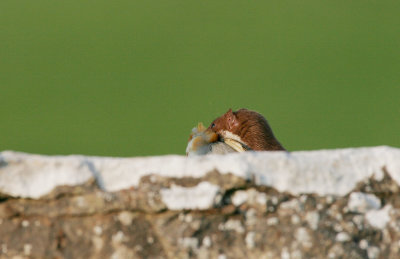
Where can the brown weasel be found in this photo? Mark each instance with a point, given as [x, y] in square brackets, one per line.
[247, 127]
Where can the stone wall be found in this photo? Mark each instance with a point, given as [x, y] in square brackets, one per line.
[318, 204]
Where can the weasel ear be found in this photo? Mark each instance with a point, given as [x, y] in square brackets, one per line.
[231, 119]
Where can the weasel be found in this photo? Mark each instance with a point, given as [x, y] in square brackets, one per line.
[249, 128]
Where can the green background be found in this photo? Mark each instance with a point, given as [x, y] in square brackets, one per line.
[131, 78]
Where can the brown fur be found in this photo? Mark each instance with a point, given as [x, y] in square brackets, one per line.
[250, 126]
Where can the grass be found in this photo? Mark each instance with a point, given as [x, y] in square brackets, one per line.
[132, 78]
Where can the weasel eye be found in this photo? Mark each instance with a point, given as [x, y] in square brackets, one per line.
[213, 125]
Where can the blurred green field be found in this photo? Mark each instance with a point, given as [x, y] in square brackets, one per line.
[131, 78]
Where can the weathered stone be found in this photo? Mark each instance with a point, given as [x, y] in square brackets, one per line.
[222, 214]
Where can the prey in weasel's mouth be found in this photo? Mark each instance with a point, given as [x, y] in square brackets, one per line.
[204, 141]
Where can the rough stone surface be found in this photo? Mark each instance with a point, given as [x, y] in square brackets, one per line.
[233, 206]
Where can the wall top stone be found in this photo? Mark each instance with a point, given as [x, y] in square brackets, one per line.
[324, 172]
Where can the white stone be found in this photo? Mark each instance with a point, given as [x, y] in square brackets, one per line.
[207, 242]
[98, 230]
[4, 249]
[239, 197]
[324, 172]
[118, 237]
[295, 219]
[363, 244]
[292, 204]
[122, 252]
[188, 218]
[189, 242]
[251, 217]
[379, 175]
[249, 239]
[272, 221]
[303, 237]
[329, 199]
[336, 251]
[32, 176]
[379, 218]
[261, 198]
[342, 237]
[232, 224]
[337, 227]
[201, 196]
[250, 196]
[362, 202]
[358, 220]
[312, 219]
[285, 253]
[27, 249]
[274, 200]
[373, 252]
[25, 223]
[125, 218]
